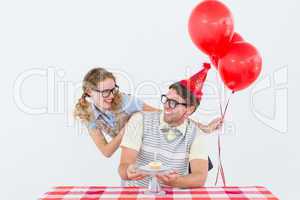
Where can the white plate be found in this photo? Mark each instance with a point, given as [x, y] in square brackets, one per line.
[147, 169]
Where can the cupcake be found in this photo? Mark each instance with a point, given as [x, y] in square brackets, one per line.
[154, 165]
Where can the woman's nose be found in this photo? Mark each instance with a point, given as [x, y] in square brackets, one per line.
[111, 95]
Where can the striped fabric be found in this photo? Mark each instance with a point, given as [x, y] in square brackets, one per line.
[121, 119]
[173, 154]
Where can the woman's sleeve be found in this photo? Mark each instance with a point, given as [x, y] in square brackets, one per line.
[91, 125]
[131, 104]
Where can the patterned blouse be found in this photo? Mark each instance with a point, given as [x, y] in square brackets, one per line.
[111, 123]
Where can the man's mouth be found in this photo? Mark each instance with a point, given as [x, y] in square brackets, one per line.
[167, 112]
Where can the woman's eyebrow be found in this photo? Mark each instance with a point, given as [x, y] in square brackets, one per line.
[106, 88]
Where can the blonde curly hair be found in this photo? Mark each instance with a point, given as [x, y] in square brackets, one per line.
[83, 109]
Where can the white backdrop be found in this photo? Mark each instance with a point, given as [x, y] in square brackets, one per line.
[47, 46]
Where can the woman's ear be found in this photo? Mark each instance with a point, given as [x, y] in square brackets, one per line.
[88, 91]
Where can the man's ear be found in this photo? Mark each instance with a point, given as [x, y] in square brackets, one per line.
[190, 110]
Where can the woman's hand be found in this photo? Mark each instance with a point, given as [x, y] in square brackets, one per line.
[215, 125]
[212, 126]
[106, 148]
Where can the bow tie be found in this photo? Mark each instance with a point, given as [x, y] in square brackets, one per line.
[170, 133]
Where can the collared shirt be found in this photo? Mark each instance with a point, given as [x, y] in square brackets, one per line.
[170, 135]
[130, 105]
[133, 137]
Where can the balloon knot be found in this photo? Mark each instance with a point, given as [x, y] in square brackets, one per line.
[206, 66]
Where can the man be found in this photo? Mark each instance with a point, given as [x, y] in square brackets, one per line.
[170, 136]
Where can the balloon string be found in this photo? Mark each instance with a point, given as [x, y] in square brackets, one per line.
[227, 105]
[219, 151]
[219, 145]
[220, 168]
[219, 95]
[219, 159]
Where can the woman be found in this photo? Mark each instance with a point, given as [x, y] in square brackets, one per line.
[108, 110]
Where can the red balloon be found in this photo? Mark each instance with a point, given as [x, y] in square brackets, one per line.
[235, 38]
[241, 66]
[214, 61]
[211, 27]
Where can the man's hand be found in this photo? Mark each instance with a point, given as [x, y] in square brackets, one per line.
[134, 174]
[168, 179]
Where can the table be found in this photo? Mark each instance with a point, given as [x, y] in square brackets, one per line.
[203, 193]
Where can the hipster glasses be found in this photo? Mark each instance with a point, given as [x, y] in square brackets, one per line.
[106, 93]
[171, 102]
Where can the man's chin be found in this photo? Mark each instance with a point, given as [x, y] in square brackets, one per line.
[167, 119]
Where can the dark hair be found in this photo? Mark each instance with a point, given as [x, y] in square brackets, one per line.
[182, 91]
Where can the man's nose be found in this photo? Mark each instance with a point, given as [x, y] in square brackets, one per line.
[167, 106]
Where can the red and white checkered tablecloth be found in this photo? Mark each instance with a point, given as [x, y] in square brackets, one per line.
[204, 193]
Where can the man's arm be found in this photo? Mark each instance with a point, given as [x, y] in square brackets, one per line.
[130, 146]
[128, 157]
[197, 178]
[127, 169]
[198, 159]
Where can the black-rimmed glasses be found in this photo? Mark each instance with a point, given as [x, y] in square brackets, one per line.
[171, 102]
[106, 93]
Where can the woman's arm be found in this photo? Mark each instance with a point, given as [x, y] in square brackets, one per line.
[148, 108]
[107, 149]
[203, 127]
[212, 126]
